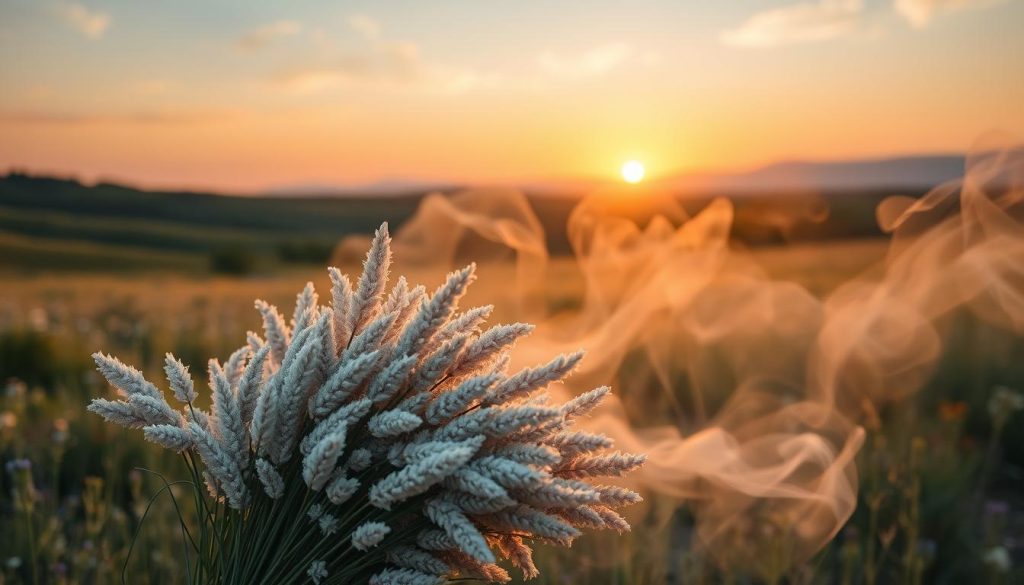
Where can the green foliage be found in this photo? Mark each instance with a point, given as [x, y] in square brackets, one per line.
[234, 260]
[51, 223]
[305, 252]
[939, 482]
[28, 356]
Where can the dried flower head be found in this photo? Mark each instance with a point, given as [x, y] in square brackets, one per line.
[387, 418]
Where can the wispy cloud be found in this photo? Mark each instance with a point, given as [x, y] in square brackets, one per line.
[309, 81]
[267, 34]
[383, 62]
[365, 25]
[93, 24]
[397, 65]
[593, 62]
[824, 20]
[380, 61]
[797, 23]
[919, 13]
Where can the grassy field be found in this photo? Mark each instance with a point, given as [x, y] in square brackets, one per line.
[48, 224]
[139, 274]
[939, 476]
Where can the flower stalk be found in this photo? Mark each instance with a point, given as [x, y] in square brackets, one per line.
[377, 439]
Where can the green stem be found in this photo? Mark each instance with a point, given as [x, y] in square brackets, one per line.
[32, 545]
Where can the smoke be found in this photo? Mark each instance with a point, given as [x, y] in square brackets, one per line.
[745, 391]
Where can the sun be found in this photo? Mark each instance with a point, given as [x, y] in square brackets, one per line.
[633, 171]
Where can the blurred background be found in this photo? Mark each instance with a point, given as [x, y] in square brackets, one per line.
[790, 234]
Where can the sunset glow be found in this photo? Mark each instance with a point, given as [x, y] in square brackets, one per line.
[633, 172]
[323, 93]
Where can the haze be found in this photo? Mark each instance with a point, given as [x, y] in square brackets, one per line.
[255, 96]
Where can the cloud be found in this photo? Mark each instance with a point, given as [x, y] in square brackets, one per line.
[310, 81]
[262, 36]
[829, 19]
[381, 62]
[593, 62]
[365, 25]
[391, 64]
[919, 13]
[797, 23]
[384, 62]
[91, 23]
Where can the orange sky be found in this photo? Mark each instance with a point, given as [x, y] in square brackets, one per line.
[194, 96]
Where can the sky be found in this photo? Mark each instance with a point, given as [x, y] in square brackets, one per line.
[245, 96]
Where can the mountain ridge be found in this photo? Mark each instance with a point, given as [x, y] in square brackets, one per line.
[914, 171]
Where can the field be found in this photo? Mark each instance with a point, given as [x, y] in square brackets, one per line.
[938, 478]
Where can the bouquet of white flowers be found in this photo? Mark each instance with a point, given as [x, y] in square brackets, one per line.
[376, 440]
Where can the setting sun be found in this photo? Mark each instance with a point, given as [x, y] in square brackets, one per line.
[633, 171]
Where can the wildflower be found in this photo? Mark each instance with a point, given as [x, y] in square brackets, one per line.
[996, 508]
[952, 411]
[328, 524]
[59, 435]
[23, 490]
[369, 535]
[15, 465]
[317, 571]
[341, 489]
[998, 558]
[15, 388]
[360, 459]
[8, 420]
[315, 512]
[38, 319]
[1003, 404]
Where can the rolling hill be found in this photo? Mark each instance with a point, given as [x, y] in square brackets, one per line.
[49, 223]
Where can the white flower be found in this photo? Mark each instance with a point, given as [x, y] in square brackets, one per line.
[315, 512]
[1003, 404]
[369, 535]
[317, 571]
[999, 559]
[328, 524]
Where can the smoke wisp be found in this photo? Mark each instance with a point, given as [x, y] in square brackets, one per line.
[746, 391]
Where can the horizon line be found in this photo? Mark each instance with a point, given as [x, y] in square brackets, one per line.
[326, 188]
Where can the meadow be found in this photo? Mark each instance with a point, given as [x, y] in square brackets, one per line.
[939, 474]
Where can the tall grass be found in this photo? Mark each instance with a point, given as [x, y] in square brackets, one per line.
[89, 494]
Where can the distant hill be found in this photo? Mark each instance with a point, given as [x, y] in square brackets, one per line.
[908, 172]
[49, 223]
[911, 173]
[57, 223]
[382, 188]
